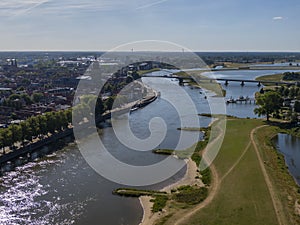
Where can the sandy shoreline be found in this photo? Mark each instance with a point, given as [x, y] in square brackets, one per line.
[188, 179]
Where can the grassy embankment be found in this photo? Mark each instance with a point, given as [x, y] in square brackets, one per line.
[142, 72]
[274, 77]
[203, 82]
[243, 196]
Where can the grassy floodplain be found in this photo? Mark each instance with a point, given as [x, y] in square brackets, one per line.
[243, 194]
[143, 72]
[275, 78]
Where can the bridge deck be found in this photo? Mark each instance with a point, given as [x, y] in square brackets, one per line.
[224, 79]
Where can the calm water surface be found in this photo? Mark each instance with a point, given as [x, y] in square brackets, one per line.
[289, 146]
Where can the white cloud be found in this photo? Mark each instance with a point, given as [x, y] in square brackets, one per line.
[278, 18]
[21, 7]
[150, 4]
[18, 7]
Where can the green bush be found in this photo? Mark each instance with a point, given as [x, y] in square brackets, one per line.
[206, 176]
[190, 195]
[160, 202]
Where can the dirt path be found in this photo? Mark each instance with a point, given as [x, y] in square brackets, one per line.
[188, 179]
[214, 190]
[215, 185]
[276, 202]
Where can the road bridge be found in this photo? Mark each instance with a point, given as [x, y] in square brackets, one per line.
[186, 79]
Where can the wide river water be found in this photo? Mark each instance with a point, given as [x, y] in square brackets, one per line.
[63, 189]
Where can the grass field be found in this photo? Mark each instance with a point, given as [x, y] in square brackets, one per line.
[243, 197]
[248, 189]
[142, 72]
[275, 78]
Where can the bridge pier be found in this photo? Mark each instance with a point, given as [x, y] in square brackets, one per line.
[226, 83]
[243, 83]
[34, 155]
[180, 81]
[8, 166]
[259, 84]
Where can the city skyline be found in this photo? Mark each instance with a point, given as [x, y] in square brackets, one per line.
[86, 25]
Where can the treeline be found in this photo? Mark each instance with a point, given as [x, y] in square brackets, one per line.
[291, 76]
[36, 126]
[17, 101]
[44, 125]
[289, 92]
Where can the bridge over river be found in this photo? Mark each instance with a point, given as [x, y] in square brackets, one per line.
[186, 79]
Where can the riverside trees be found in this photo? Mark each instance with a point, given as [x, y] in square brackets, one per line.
[36, 126]
[48, 123]
[270, 102]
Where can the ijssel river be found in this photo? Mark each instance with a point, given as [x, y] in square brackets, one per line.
[63, 189]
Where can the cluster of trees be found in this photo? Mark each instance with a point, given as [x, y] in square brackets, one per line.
[17, 101]
[115, 85]
[90, 105]
[291, 76]
[36, 126]
[269, 102]
[289, 92]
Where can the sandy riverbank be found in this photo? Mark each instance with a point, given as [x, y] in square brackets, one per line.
[188, 179]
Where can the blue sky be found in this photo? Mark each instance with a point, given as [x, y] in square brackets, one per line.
[199, 25]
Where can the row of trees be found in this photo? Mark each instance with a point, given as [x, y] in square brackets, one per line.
[36, 126]
[51, 122]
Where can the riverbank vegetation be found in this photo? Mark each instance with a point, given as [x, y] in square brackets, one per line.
[202, 82]
[287, 76]
[36, 127]
[274, 78]
[190, 128]
[159, 203]
[143, 72]
[217, 115]
[131, 192]
[194, 152]
[281, 103]
[291, 76]
[190, 195]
